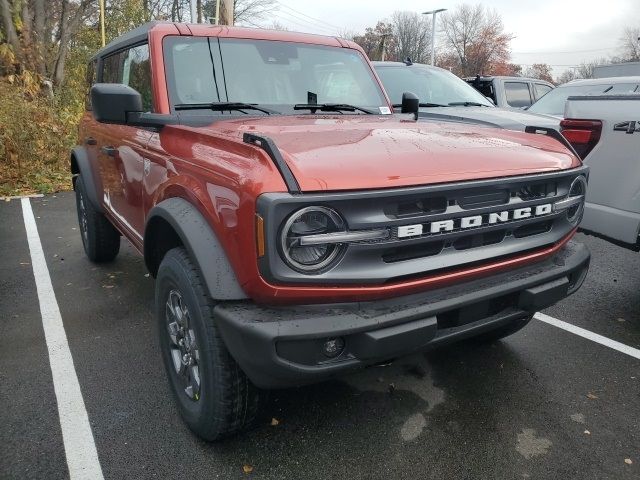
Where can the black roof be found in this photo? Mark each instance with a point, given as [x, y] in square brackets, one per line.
[137, 35]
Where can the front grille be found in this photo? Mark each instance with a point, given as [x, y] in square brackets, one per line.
[426, 230]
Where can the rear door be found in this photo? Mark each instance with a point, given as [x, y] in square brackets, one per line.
[517, 94]
[121, 147]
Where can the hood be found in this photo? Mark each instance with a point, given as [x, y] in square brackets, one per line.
[495, 117]
[335, 152]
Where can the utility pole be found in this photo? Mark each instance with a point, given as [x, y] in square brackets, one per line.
[433, 32]
[384, 37]
[194, 11]
[102, 34]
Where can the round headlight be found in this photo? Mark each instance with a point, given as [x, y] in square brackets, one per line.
[311, 256]
[578, 191]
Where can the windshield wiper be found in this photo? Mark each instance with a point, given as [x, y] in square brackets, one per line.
[330, 107]
[221, 106]
[467, 104]
[399, 105]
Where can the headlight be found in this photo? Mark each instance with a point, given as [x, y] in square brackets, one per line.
[577, 192]
[309, 255]
[573, 203]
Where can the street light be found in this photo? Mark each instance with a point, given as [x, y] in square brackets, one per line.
[433, 32]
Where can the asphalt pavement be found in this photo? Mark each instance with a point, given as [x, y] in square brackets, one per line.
[542, 404]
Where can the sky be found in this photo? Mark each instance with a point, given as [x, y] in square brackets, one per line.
[561, 33]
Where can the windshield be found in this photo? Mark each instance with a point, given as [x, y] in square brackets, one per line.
[431, 85]
[553, 102]
[272, 74]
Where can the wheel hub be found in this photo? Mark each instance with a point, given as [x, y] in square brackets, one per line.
[182, 344]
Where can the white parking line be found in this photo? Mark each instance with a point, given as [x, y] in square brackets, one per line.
[79, 446]
[594, 337]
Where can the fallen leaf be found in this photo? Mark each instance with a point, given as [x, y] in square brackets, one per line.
[628, 461]
[621, 320]
[274, 422]
[587, 432]
[591, 396]
[247, 468]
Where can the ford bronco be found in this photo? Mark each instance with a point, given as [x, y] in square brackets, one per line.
[296, 226]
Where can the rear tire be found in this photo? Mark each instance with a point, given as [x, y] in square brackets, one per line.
[504, 331]
[100, 238]
[214, 396]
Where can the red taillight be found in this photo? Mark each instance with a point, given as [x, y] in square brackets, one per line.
[583, 135]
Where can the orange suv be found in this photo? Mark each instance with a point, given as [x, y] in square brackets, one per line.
[296, 226]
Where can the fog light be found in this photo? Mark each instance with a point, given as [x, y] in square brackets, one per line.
[333, 347]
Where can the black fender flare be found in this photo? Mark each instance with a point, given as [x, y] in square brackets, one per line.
[201, 243]
[80, 165]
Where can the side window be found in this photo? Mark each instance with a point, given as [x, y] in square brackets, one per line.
[131, 67]
[137, 73]
[517, 94]
[542, 90]
[90, 80]
[112, 68]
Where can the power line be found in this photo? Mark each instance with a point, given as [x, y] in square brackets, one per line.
[307, 23]
[308, 16]
[307, 27]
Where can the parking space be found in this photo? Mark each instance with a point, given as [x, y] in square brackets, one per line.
[544, 403]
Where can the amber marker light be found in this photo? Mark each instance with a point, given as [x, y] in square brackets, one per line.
[260, 235]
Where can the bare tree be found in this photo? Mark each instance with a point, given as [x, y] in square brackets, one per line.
[630, 44]
[412, 34]
[476, 37]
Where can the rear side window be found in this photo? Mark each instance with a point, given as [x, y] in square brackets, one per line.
[90, 80]
[542, 90]
[131, 67]
[517, 94]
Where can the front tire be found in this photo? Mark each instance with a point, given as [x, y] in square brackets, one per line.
[100, 239]
[214, 396]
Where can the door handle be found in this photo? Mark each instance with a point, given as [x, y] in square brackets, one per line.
[90, 141]
[111, 151]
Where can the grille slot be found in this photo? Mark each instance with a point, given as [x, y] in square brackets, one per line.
[537, 190]
[484, 199]
[532, 229]
[411, 252]
[428, 205]
[479, 240]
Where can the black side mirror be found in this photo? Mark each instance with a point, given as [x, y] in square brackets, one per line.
[114, 102]
[410, 103]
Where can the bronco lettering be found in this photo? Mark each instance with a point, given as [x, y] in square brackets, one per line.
[474, 221]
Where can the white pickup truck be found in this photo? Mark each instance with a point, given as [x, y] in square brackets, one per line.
[605, 131]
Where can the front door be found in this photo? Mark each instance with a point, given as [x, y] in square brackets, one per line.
[121, 148]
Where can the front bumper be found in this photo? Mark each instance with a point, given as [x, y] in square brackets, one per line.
[281, 346]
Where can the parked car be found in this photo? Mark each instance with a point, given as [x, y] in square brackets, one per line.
[605, 130]
[296, 229]
[554, 102]
[444, 96]
[510, 92]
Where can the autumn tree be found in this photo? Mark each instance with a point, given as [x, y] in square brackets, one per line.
[373, 40]
[540, 71]
[475, 37]
[39, 32]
